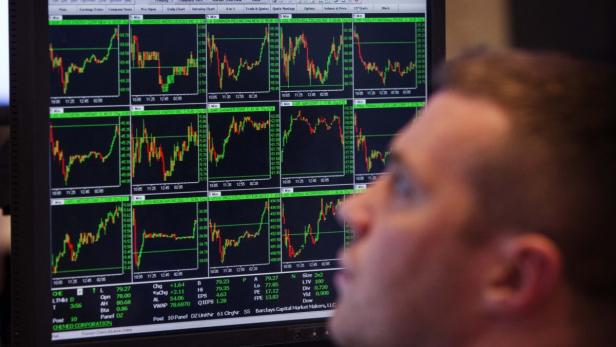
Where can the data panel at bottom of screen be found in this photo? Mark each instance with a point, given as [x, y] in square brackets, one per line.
[177, 305]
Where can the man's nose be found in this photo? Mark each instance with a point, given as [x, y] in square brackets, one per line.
[358, 212]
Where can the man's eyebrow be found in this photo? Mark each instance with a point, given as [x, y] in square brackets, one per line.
[394, 159]
[400, 166]
[398, 163]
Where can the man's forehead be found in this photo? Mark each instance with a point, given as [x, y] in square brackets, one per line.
[453, 131]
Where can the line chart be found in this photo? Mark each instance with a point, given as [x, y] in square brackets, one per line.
[165, 237]
[165, 150]
[90, 245]
[85, 154]
[84, 61]
[375, 125]
[310, 230]
[388, 56]
[238, 58]
[312, 141]
[238, 145]
[312, 57]
[242, 237]
[164, 59]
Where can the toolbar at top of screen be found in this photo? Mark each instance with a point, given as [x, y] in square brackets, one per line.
[110, 7]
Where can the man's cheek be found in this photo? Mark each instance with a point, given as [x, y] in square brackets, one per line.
[388, 253]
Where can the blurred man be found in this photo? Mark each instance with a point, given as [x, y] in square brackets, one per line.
[495, 225]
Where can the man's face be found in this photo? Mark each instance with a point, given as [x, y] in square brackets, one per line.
[411, 277]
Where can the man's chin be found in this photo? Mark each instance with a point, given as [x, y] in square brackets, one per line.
[341, 329]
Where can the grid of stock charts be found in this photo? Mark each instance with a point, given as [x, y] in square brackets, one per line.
[198, 160]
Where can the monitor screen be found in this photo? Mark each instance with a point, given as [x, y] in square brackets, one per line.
[4, 53]
[200, 152]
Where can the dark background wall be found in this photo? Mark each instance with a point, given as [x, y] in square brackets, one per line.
[584, 28]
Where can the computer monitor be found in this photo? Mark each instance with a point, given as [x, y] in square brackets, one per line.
[4, 54]
[179, 165]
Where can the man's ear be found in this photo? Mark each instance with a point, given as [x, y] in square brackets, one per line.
[527, 270]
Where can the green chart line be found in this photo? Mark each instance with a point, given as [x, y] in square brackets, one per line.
[57, 62]
[145, 235]
[86, 238]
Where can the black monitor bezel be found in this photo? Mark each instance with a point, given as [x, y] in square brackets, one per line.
[31, 309]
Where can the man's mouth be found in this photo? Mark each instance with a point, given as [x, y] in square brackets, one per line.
[344, 277]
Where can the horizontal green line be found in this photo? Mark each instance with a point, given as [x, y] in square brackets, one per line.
[167, 137]
[167, 21]
[390, 105]
[282, 195]
[295, 174]
[318, 103]
[88, 22]
[376, 135]
[315, 20]
[200, 199]
[237, 225]
[170, 201]
[84, 126]
[364, 43]
[169, 112]
[156, 67]
[90, 270]
[244, 197]
[321, 232]
[243, 21]
[319, 193]
[391, 20]
[242, 109]
[96, 200]
[238, 38]
[168, 251]
[222, 178]
[89, 114]
[56, 49]
[283, 86]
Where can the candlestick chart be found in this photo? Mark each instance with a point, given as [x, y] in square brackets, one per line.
[238, 145]
[165, 149]
[239, 233]
[165, 237]
[84, 60]
[86, 240]
[385, 55]
[310, 230]
[374, 130]
[312, 140]
[238, 58]
[164, 59]
[311, 57]
[85, 153]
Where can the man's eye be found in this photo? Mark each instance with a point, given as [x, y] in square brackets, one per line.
[403, 187]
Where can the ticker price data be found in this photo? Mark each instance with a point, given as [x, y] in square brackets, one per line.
[244, 236]
[86, 59]
[168, 149]
[376, 124]
[242, 56]
[167, 59]
[315, 56]
[389, 57]
[168, 237]
[311, 234]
